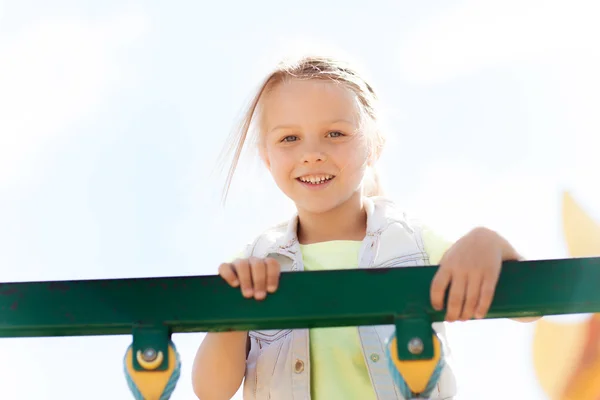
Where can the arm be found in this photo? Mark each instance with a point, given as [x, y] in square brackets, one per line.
[510, 254]
[526, 319]
[220, 365]
[482, 243]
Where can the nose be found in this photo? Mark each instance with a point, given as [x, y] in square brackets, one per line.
[311, 157]
[311, 149]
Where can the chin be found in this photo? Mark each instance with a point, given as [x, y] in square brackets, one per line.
[320, 203]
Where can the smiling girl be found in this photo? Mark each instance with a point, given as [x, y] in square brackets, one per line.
[318, 136]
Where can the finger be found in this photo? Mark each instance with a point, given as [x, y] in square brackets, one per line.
[227, 272]
[456, 297]
[242, 268]
[258, 270]
[473, 289]
[486, 296]
[273, 272]
[439, 284]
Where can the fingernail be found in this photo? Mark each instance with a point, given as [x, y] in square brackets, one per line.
[235, 283]
[260, 295]
[247, 292]
[272, 288]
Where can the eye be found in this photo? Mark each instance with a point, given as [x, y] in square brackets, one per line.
[290, 138]
[335, 134]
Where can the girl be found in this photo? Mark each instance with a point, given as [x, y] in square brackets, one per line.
[319, 138]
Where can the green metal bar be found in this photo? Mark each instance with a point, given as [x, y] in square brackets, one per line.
[304, 300]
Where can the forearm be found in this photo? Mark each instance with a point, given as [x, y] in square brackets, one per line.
[526, 319]
[510, 254]
[219, 365]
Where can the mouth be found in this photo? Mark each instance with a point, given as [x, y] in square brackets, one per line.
[315, 180]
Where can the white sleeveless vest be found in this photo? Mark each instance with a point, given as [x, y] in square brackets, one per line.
[278, 365]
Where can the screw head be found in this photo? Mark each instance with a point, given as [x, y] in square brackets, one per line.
[149, 354]
[415, 346]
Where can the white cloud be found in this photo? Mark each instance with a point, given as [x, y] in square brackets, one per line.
[521, 203]
[480, 34]
[554, 40]
[53, 73]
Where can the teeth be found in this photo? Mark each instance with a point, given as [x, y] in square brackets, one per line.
[315, 179]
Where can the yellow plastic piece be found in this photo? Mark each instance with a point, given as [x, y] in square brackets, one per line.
[566, 355]
[151, 383]
[416, 373]
[556, 350]
[584, 382]
[150, 365]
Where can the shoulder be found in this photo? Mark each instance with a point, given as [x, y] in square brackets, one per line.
[389, 214]
[399, 219]
[387, 208]
[264, 241]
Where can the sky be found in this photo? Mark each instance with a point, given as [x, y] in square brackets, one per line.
[113, 114]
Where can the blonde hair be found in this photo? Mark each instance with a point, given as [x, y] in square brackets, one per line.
[322, 68]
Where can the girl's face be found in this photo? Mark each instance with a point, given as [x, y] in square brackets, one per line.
[312, 143]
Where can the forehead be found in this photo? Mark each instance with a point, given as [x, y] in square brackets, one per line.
[301, 102]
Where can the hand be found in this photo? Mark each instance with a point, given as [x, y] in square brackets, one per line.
[256, 276]
[471, 267]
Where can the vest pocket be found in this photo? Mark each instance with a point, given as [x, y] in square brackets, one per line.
[266, 337]
[266, 367]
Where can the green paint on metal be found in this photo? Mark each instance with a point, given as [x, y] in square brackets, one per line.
[414, 329]
[153, 339]
[304, 300]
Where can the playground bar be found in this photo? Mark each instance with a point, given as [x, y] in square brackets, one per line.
[304, 300]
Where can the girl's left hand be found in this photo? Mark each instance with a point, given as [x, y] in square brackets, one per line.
[471, 267]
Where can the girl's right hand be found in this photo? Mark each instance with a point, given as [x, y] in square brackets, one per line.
[255, 276]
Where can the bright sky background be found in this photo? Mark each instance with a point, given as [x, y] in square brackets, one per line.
[112, 114]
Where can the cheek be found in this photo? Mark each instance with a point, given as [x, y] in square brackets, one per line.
[354, 156]
[279, 161]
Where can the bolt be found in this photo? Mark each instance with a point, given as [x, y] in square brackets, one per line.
[149, 354]
[415, 346]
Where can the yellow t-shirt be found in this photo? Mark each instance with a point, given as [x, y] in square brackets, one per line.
[338, 369]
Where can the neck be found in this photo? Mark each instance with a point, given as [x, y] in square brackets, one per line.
[346, 222]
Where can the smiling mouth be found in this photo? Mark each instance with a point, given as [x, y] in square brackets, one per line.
[315, 179]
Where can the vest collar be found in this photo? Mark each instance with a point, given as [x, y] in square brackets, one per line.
[374, 223]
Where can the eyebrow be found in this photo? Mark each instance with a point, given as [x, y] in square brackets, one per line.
[292, 126]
